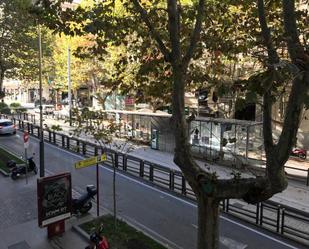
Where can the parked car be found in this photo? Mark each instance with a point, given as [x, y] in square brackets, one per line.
[46, 109]
[7, 127]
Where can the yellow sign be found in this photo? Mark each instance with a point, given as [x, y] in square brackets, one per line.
[90, 161]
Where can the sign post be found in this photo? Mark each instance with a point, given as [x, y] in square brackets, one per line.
[91, 161]
[98, 195]
[26, 145]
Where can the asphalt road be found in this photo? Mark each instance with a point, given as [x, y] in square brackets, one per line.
[168, 218]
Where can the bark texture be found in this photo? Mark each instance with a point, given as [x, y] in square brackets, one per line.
[208, 216]
[1, 79]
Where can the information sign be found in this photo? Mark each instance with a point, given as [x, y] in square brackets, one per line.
[90, 161]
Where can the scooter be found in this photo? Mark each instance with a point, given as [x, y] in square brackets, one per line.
[301, 153]
[17, 171]
[83, 204]
[97, 241]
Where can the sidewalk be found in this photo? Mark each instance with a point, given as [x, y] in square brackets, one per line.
[29, 235]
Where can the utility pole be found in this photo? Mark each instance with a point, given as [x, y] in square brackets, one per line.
[69, 85]
[42, 165]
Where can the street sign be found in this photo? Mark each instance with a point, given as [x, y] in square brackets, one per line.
[90, 161]
[26, 140]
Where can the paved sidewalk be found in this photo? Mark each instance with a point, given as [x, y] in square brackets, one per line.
[29, 235]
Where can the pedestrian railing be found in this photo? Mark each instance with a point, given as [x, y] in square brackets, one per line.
[283, 220]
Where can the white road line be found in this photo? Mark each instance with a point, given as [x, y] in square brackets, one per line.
[181, 200]
[260, 233]
[232, 244]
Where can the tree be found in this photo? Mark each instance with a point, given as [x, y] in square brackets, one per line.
[106, 133]
[178, 48]
[17, 39]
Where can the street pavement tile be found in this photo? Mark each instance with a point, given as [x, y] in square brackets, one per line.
[20, 245]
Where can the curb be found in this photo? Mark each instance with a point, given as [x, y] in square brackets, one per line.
[4, 173]
[80, 232]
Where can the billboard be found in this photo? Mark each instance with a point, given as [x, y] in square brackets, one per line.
[54, 198]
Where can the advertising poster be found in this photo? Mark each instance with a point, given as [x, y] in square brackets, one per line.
[54, 198]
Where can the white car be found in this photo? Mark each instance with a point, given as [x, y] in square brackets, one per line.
[7, 127]
[46, 109]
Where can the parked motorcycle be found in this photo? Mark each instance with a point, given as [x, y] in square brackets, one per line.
[17, 171]
[97, 240]
[301, 153]
[83, 204]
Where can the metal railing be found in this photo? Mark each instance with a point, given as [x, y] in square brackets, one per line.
[283, 220]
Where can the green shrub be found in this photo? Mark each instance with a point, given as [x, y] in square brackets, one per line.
[4, 109]
[16, 108]
[15, 105]
[3, 105]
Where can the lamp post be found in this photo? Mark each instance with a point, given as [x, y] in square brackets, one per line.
[69, 85]
[42, 166]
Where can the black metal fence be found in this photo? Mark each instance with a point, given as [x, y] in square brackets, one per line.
[283, 220]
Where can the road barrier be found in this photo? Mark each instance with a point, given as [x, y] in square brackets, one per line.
[280, 219]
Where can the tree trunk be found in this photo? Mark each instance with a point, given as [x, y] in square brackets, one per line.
[208, 223]
[1, 80]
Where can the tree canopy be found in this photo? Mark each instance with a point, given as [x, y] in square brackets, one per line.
[18, 39]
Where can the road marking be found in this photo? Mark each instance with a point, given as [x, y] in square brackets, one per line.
[179, 199]
[260, 233]
[231, 244]
[228, 242]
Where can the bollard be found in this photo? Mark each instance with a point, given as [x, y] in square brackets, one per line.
[171, 182]
[261, 214]
[151, 173]
[257, 213]
[183, 186]
[141, 168]
[278, 218]
[282, 220]
[116, 160]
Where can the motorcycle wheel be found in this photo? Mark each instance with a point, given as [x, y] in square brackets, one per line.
[303, 156]
[85, 209]
[14, 176]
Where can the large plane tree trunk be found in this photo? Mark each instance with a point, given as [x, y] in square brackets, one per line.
[208, 223]
[1, 83]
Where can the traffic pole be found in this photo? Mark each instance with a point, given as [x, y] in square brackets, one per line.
[98, 196]
[26, 145]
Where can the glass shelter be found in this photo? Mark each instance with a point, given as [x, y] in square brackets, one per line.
[232, 140]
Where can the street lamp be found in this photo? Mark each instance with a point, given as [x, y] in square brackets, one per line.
[42, 166]
[69, 85]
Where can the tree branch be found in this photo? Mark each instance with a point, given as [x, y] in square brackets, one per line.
[273, 58]
[153, 32]
[300, 84]
[174, 31]
[248, 188]
[195, 34]
[296, 50]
